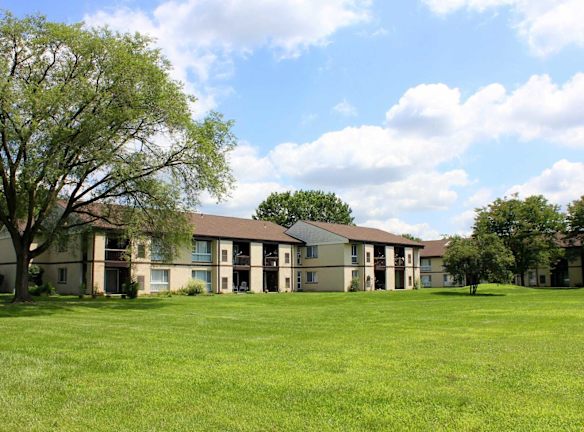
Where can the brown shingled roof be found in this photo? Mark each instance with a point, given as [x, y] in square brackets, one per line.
[237, 228]
[358, 233]
[434, 248]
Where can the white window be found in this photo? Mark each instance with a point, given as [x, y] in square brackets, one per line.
[298, 280]
[311, 251]
[354, 254]
[202, 251]
[426, 264]
[426, 280]
[311, 277]
[299, 257]
[355, 274]
[203, 275]
[159, 280]
[62, 275]
[156, 250]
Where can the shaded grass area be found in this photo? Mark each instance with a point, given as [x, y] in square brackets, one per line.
[434, 359]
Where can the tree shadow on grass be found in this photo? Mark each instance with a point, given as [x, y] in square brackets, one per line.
[466, 294]
[56, 304]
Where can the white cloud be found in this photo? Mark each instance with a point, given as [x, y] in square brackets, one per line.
[546, 25]
[199, 36]
[561, 184]
[397, 226]
[345, 108]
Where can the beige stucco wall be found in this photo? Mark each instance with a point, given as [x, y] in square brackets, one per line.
[225, 269]
[389, 270]
[285, 270]
[7, 263]
[329, 266]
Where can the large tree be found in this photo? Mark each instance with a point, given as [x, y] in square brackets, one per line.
[92, 117]
[286, 208]
[529, 228]
[475, 259]
[575, 230]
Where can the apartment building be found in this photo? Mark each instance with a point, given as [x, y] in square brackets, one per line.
[333, 255]
[229, 254]
[432, 265]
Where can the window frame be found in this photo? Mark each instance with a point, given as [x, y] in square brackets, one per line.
[157, 283]
[311, 277]
[208, 278]
[354, 253]
[60, 272]
[203, 257]
[312, 252]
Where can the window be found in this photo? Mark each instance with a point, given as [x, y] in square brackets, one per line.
[445, 278]
[156, 253]
[299, 257]
[368, 257]
[542, 279]
[224, 255]
[354, 256]
[409, 258]
[355, 274]
[287, 283]
[426, 280]
[409, 281]
[287, 258]
[311, 277]
[159, 280]
[202, 251]
[311, 251]
[203, 275]
[426, 264]
[224, 283]
[62, 275]
[141, 251]
[299, 281]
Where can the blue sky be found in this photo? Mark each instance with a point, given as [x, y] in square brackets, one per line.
[414, 112]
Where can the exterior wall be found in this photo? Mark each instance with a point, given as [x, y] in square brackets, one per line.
[389, 268]
[437, 273]
[225, 269]
[329, 267]
[368, 267]
[7, 263]
[256, 272]
[542, 276]
[285, 270]
[409, 269]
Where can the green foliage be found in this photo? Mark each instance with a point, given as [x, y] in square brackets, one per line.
[417, 284]
[354, 285]
[411, 237]
[131, 289]
[93, 117]
[46, 289]
[286, 208]
[575, 220]
[35, 274]
[193, 287]
[476, 259]
[528, 228]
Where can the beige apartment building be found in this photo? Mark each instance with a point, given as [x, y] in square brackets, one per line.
[333, 255]
[432, 265]
[228, 254]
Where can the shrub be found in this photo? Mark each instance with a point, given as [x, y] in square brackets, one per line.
[131, 289]
[46, 289]
[417, 284]
[354, 285]
[192, 288]
[35, 274]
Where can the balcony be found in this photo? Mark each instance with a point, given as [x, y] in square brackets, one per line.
[115, 254]
[400, 261]
[241, 260]
[426, 268]
[379, 263]
[270, 261]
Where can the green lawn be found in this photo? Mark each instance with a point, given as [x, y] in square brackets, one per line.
[435, 359]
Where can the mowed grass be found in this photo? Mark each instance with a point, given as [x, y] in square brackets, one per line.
[435, 359]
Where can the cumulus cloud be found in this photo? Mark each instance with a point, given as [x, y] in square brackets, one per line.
[546, 25]
[345, 108]
[397, 226]
[200, 35]
[561, 184]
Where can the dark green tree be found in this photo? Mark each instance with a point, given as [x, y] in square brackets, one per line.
[412, 237]
[529, 228]
[91, 117]
[286, 208]
[476, 259]
[575, 231]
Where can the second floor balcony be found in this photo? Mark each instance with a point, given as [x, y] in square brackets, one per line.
[400, 261]
[379, 263]
[241, 260]
[271, 261]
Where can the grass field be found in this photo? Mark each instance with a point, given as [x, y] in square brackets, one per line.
[435, 359]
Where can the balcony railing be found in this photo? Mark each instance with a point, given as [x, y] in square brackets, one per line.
[270, 261]
[115, 254]
[379, 262]
[400, 261]
[241, 260]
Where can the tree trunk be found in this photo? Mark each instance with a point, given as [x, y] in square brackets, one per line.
[522, 279]
[21, 293]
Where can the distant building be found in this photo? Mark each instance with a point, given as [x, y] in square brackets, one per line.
[432, 272]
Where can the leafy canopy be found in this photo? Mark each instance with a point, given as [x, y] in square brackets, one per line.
[92, 117]
[475, 259]
[528, 228]
[286, 208]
